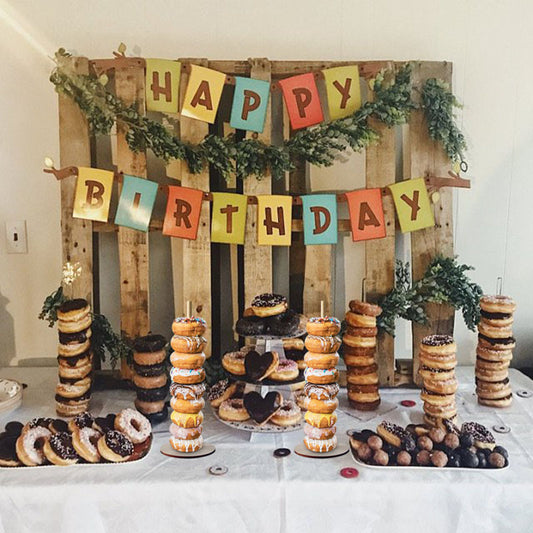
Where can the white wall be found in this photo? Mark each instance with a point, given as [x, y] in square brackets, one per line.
[488, 41]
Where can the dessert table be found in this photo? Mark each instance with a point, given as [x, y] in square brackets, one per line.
[262, 493]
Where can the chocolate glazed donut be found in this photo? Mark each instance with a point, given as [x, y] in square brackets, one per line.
[250, 326]
[284, 324]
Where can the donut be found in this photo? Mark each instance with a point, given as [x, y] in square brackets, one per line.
[152, 382]
[8, 450]
[321, 392]
[74, 338]
[187, 406]
[320, 445]
[361, 332]
[29, 445]
[483, 438]
[322, 344]
[233, 410]
[269, 304]
[73, 310]
[320, 420]
[183, 344]
[149, 408]
[76, 367]
[493, 390]
[187, 392]
[301, 400]
[441, 411]
[149, 358]
[358, 360]
[362, 375]
[491, 374]
[298, 357]
[69, 350]
[186, 420]
[233, 362]
[187, 360]
[438, 345]
[392, 433]
[491, 365]
[321, 376]
[496, 344]
[250, 326]
[286, 370]
[82, 420]
[490, 354]
[284, 324]
[287, 415]
[104, 423]
[323, 406]
[149, 370]
[69, 408]
[435, 374]
[497, 319]
[436, 398]
[74, 390]
[84, 441]
[152, 395]
[357, 320]
[189, 326]
[364, 308]
[59, 450]
[438, 422]
[359, 342]
[494, 332]
[187, 376]
[58, 426]
[441, 386]
[223, 390]
[74, 327]
[323, 326]
[187, 445]
[115, 447]
[185, 433]
[319, 433]
[445, 362]
[497, 304]
[134, 425]
[149, 344]
[364, 397]
[321, 360]
[499, 402]
[296, 344]
[365, 404]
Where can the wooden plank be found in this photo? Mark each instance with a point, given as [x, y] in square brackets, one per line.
[257, 259]
[421, 156]
[197, 254]
[75, 149]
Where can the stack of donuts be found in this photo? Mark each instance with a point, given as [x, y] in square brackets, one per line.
[495, 351]
[187, 387]
[150, 375]
[359, 349]
[321, 387]
[73, 391]
[437, 370]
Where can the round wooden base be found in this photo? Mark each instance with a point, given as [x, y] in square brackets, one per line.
[169, 451]
[341, 449]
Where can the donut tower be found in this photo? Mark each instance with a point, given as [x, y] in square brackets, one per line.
[437, 370]
[495, 351]
[73, 392]
[321, 387]
[359, 350]
[187, 387]
[150, 375]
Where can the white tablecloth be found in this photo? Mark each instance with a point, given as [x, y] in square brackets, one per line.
[263, 493]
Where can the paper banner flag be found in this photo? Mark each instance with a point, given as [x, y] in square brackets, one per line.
[366, 214]
[229, 218]
[93, 194]
[412, 205]
[136, 203]
[182, 216]
[320, 218]
[274, 220]
[250, 102]
[162, 85]
[203, 93]
[301, 98]
[343, 91]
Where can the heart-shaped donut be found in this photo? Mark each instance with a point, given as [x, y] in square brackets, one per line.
[262, 409]
[258, 366]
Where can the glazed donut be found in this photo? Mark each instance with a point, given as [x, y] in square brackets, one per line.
[85, 442]
[286, 370]
[491, 365]
[438, 345]
[186, 420]
[115, 447]
[490, 354]
[185, 433]
[497, 319]
[187, 376]
[189, 326]
[233, 410]
[361, 332]
[187, 406]
[149, 408]
[441, 386]
[319, 433]
[441, 411]
[441, 362]
[356, 320]
[78, 370]
[358, 360]
[435, 374]
[233, 362]
[322, 344]
[296, 344]
[500, 402]
[59, 450]
[149, 371]
[187, 392]
[323, 326]
[269, 304]
[323, 406]
[494, 332]
[287, 415]
[223, 390]
[491, 375]
[69, 350]
[183, 344]
[250, 326]
[320, 445]
[301, 400]
[497, 304]
[359, 342]
[72, 407]
[321, 376]
[74, 390]
[496, 344]
[75, 338]
[483, 438]
[74, 327]
[82, 420]
[187, 360]
[29, 446]
[187, 445]
[321, 392]
[392, 433]
[320, 420]
[321, 360]
[353, 377]
[493, 390]
[152, 382]
[284, 324]
[73, 310]
[134, 425]
[435, 398]
[364, 308]
[149, 358]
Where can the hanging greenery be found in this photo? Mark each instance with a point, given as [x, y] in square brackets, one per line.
[444, 282]
[318, 145]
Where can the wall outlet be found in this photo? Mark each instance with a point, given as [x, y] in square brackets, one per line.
[16, 238]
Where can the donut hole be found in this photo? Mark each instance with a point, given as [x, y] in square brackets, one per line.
[136, 425]
[39, 443]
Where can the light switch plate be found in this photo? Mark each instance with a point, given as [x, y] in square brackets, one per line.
[16, 238]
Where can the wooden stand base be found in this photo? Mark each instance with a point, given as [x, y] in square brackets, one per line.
[205, 450]
[341, 449]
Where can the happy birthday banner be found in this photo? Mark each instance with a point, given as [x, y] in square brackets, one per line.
[229, 210]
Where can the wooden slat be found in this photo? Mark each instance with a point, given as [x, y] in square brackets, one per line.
[75, 149]
[422, 155]
[197, 254]
[257, 259]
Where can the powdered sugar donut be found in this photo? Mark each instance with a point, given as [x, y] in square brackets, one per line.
[29, 445]
[185, 433]
[134, 425]
[497, 304]
[85, 441]
[286, 370]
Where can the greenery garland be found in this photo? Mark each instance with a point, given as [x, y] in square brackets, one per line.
[444, 281]
[318, 145]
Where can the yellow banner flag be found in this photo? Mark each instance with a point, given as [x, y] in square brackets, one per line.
[412, 205]
[203, 93]
[162, 85]
[274, 220]
[343, 90]
[229, 217]
[93, 194]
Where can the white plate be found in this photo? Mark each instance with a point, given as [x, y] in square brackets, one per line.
[250, 425]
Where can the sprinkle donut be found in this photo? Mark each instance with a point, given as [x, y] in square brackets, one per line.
[233, 362]
[269, 304]
[286, 370]
[321, 376]
[323, 326]
[233, 410]
[438, 345]
[189, 326]
[134, 425]
[115, 447]
[287, 415]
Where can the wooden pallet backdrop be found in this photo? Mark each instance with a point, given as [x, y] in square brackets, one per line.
[310, 268]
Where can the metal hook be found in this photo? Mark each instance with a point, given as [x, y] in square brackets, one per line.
[499, 286]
